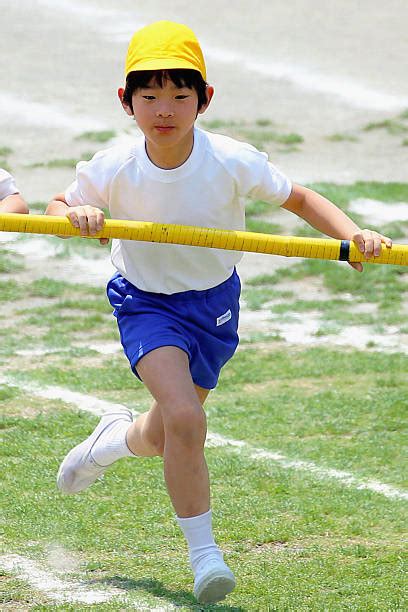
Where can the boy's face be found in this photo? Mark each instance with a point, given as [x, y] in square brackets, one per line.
[166, 115]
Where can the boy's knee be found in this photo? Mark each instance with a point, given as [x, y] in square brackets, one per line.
[187, 423]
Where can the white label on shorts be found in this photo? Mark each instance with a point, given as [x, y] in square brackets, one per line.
[224, 318]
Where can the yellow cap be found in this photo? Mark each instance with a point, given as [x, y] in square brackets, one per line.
[164, 45]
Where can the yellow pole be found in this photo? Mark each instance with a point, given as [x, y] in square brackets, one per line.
[288, 246]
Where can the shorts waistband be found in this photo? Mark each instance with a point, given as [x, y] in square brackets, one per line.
[186, 295]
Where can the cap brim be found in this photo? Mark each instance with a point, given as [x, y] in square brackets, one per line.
[163, 64]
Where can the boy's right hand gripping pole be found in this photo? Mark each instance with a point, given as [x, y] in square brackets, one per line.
[288, 246]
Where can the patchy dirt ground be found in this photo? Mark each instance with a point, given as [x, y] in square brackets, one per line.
[323, 73]
[314, 69]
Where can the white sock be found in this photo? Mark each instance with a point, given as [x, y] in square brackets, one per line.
[198, 533]
[111, 445]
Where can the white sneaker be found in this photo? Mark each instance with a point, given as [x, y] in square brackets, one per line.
[79, 469]
[213, 580]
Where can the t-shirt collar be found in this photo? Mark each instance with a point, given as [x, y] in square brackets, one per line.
[174, 174]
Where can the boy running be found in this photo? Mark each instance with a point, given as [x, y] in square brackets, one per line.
[11, 200]
[177, 306]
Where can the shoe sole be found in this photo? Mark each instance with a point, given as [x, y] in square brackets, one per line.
[216, 586]
[83, 450]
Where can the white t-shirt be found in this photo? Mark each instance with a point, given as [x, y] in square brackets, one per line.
[208, 190]
[7, 184]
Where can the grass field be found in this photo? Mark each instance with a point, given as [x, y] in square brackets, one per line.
[306, 448]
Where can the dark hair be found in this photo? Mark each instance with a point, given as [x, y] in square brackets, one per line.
[181, 77]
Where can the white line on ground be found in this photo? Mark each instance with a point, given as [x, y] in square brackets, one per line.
[98, 407]
[119, 25]
[69, 590]
[345, 478]
[54, 587]
[13, 109]
[104, 348]
[84, 402]
[346, 90]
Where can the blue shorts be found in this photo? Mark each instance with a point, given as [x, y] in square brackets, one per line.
[202, 323]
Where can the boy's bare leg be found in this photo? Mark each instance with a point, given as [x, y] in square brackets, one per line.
[145, 437]
[165, 372]
[176, 428]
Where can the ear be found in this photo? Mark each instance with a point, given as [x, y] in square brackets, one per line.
[128, 110]
[209, 93]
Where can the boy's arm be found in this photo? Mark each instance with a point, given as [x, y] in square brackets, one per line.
[328, 219]
[88, 219]
[14, 204]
